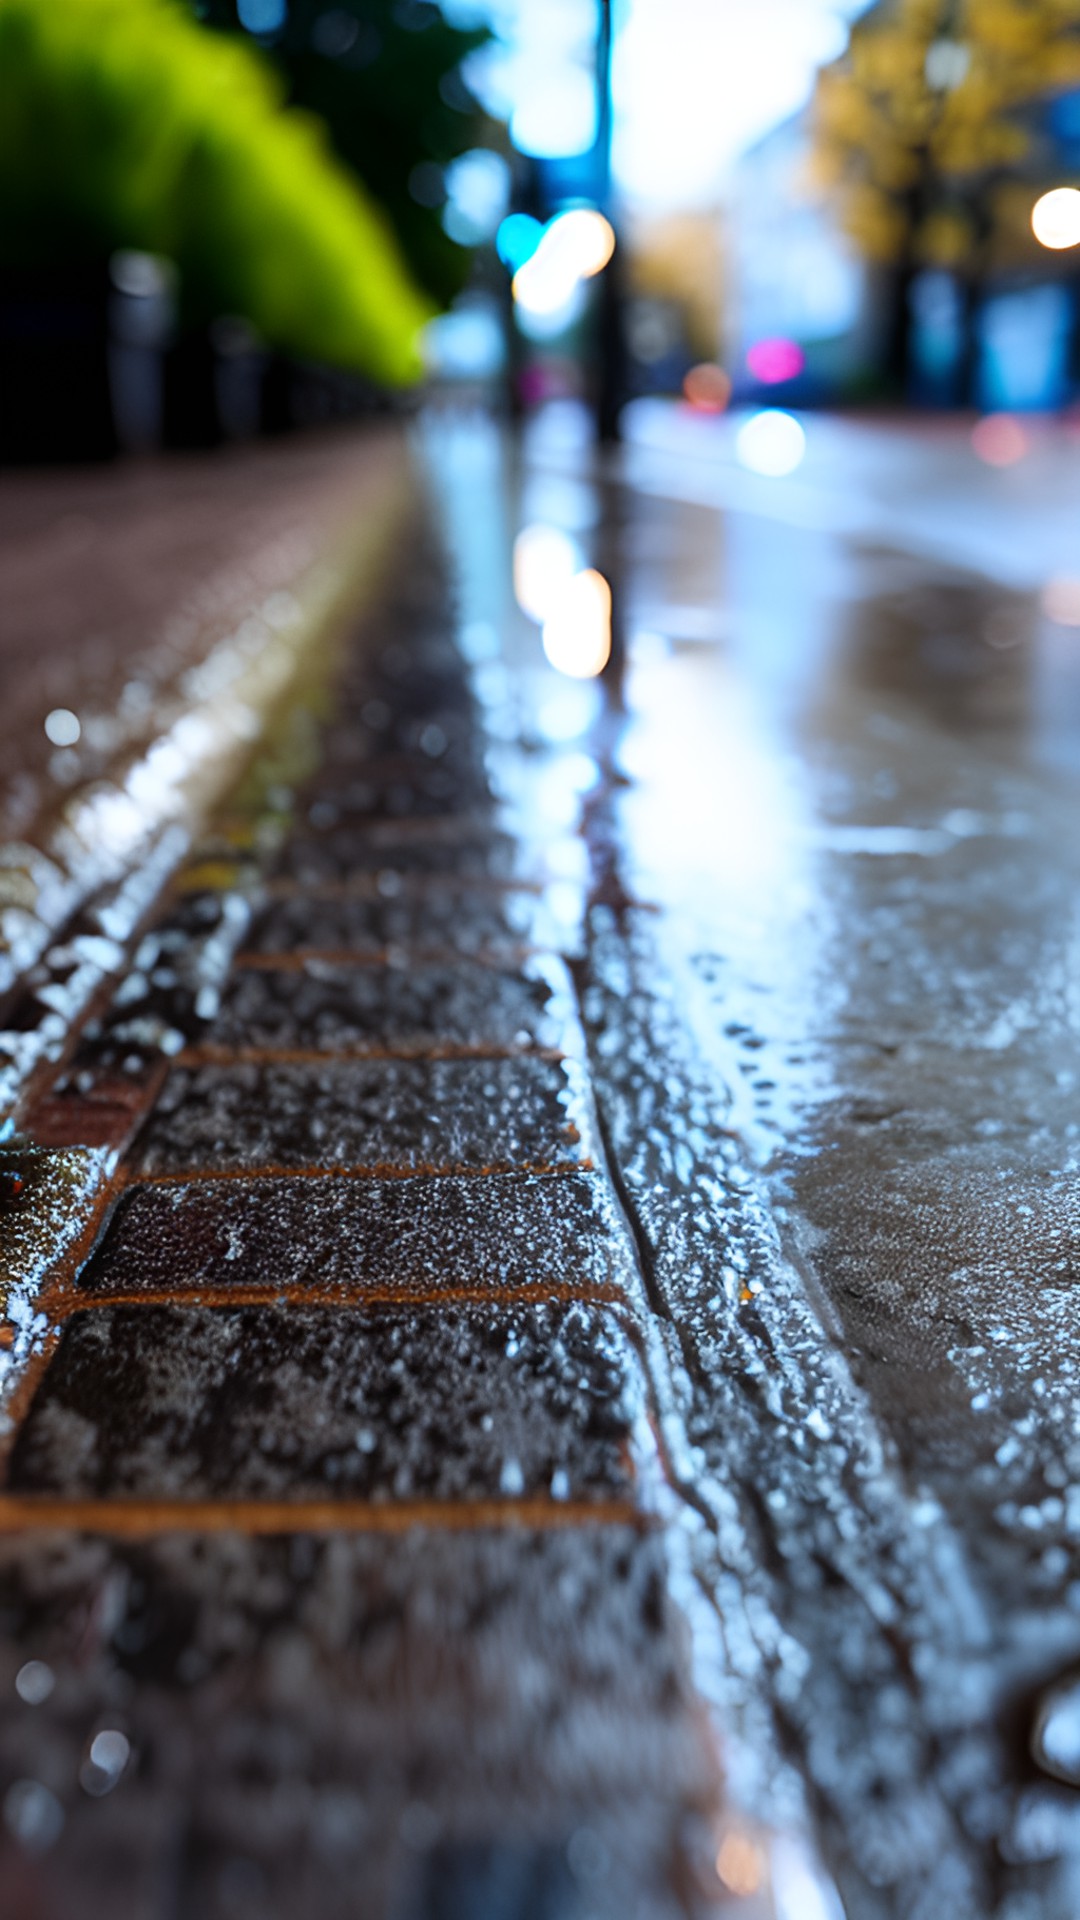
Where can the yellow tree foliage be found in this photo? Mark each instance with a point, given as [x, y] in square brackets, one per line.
[929, 111]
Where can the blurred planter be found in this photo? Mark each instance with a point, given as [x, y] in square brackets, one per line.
[299, 394]
[212, 385]
[56, 398]
[80, 358]
[141, 311]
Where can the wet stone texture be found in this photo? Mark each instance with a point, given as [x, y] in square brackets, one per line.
[450, 1114]
[464, 850]
[420, 1237]
[389, 1726]
[460, 921]
[249, 1403]
[347, 1270]
[403, 1008]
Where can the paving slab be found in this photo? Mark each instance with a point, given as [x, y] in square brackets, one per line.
[386, 786]
[414, 1404]
[398, 1709]
[448, 1115]
[329, 1008]
[462, 849]
[416, 1237]
[463, 921]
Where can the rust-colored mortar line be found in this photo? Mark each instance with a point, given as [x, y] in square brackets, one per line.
[401, 957]
[216, 1056]
[358, 1299]
[379, 1170]
[142, 1519]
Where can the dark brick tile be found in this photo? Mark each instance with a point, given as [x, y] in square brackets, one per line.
[449, 1114]
[470, 850]
[419, 1234]
[355, 1725]
[444, 1403]
[392, 785]
[460, 921]
[328, 1007]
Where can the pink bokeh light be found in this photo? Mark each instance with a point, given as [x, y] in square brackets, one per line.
[774, 361]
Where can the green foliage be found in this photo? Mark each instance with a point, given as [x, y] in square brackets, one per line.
[124, 124]
[384, 76]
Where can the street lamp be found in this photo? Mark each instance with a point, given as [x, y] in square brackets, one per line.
[1055, 218]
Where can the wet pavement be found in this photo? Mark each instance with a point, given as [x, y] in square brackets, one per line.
[551, 1260]
[826, 968]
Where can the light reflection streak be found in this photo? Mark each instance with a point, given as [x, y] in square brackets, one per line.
[577, 633]
[545, 561]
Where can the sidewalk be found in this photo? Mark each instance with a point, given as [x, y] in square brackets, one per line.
[332, 1574]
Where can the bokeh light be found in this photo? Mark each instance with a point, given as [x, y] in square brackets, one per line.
[1055, 218]
[577, 633]
[707, 387]
[62, 727]
[545, 561]
[517, 239]
[771, 443]
[773, 361]
[739, 1864]
[999, 439]
[573, 247]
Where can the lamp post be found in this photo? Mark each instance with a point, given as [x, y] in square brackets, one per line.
[610, 385]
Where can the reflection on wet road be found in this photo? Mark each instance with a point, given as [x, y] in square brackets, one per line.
[862, 836]
[838, 1066]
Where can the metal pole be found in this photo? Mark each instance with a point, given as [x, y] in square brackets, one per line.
[610, 351]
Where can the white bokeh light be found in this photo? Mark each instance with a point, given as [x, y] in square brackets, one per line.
[577, 633]
[1055, 218]
[545, 562]
[62, 727]
[771, 443]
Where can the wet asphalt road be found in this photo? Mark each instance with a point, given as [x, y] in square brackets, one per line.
[829, 971]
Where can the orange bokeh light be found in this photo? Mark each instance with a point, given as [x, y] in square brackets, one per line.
[707, 387]
[999, 439]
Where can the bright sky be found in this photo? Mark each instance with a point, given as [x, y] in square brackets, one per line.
[696, 81]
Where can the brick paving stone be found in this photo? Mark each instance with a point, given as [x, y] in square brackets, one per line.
[399, 1710]
[395, 786]
[329, 1008]
[418, 1236]
[439, 1403]
[461, 920]
[423, 1725]
[449, 1114]
[475, 852]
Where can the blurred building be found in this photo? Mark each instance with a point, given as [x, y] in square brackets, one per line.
[793, 277]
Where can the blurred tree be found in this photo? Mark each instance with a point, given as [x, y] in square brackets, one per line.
[385, 77]
[124, 125]
[920, 129]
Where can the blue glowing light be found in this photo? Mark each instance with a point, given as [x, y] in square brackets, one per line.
[517, 239]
